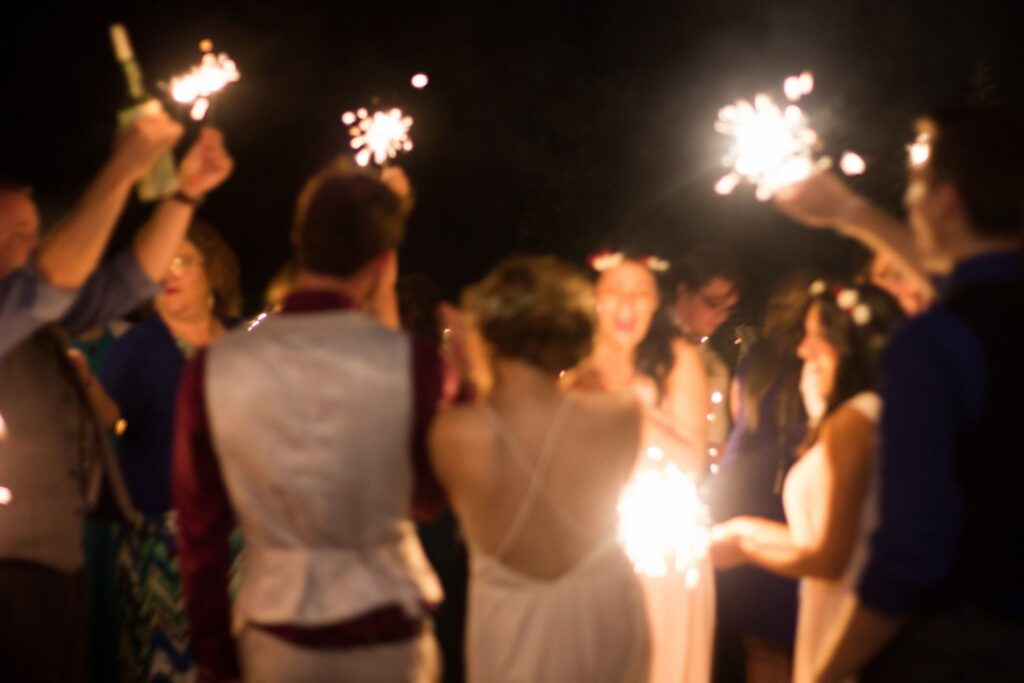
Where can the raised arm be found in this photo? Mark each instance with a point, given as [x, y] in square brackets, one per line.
[70, 253]
[825, 201]
[204, 167]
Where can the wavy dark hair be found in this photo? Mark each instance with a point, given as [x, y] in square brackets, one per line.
[860, 346]
[221, 268]
[773, 357]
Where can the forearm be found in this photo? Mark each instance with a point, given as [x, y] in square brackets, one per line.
[159, 239]
[864, 222]
[770, 545]
[71, 252]
[857, 637]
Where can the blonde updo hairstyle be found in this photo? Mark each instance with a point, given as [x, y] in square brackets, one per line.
[536, 309]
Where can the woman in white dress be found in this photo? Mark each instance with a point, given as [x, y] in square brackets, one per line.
[675, 397]
[828, 494]
[534, 474]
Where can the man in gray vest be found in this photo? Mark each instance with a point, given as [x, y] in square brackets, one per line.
[52, 457]
[310, 432]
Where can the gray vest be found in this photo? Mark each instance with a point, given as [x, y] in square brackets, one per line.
[53, 456]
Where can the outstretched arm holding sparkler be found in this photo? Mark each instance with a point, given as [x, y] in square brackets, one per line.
[204, 167]
[823, 200]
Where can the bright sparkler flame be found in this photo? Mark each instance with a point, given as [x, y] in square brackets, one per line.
[378, 137]
[198, 84]
[663, 523]
[852, 163]
[920, 150]
[774, 147]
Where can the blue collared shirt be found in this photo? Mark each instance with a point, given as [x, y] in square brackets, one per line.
[935, 386]
[28, 302]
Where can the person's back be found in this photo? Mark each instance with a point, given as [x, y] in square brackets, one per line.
[322, 481]
[535, 474]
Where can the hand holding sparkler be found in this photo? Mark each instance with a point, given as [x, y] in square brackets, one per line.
[144, 141]
[205, 165]
[197, 85]
[820, 201]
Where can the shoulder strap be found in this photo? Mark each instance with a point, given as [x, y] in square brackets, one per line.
[534, 471]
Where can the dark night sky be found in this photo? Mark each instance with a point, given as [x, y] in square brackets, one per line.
[550, 127]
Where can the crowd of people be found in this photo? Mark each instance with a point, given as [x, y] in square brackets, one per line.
[188, 497]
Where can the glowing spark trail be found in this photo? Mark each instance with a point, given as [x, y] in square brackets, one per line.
[378, 137]
[211, 75]
[774, 146]
[663, 524]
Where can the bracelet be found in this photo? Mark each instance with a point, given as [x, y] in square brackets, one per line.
[180, 196]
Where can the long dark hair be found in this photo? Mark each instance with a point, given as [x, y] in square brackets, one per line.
[773, 358]
[858, 328]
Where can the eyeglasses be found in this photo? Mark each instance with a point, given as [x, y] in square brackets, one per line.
[719, 304]
[180, 264]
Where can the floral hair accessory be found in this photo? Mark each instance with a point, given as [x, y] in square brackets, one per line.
[849, 302]
[817, 288]
[608, 259]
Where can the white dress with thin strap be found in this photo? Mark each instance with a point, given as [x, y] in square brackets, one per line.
[802, 496]
[586, 625]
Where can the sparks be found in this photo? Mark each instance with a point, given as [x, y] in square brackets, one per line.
[852, 163]
[774, 146]
[378, 137]
[420, 81]
[920, 150]
[198, 84]
[663, 524]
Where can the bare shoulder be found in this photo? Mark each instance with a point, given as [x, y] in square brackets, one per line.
[461, 424]
[848, 434]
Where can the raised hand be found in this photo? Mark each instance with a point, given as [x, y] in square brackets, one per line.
[142, 142]
[205, 165]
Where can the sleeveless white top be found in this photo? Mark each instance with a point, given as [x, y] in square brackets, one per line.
[586, 625]
[802, 496]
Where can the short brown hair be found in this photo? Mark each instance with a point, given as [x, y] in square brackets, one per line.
[979, 151]
[221, 267]
[536, 309]
[344, 219]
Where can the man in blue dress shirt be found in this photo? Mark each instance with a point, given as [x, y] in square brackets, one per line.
[942, 595]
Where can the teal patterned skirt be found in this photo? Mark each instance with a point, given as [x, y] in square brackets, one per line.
[153, 642]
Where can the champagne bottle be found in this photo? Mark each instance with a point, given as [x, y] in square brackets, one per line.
[162, 179]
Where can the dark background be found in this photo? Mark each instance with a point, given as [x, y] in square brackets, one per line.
[560, 127]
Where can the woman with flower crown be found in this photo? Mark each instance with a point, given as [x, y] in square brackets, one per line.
[636, 353]
[828, 493]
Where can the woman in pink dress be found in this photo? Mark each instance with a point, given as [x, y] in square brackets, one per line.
[674, 393]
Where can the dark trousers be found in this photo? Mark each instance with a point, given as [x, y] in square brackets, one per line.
[961, 643]
[42, 629]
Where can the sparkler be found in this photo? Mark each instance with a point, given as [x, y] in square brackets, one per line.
[378, 137]
[5, 493]
[774, 146]
[663, 524]
[197, 85]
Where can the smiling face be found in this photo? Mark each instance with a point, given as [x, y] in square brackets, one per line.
[627, 296]
[186, 290]
[19, 230]
[820, 356]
